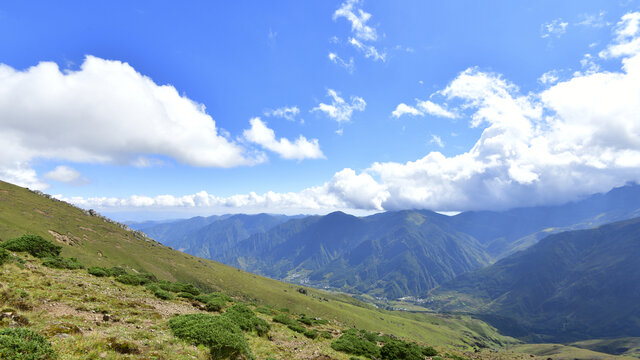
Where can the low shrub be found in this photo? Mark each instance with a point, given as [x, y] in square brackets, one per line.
[214, 301]
[284, 319]
[396, 349]
[311, 334]
[186, 295]
[117, 271]
[162, 294]
[4, 256]
[356, 343]
[221, 335]
[130, 279]
[62, 263]
[247, 320]
[326, 335]
[24, 344]
[98, 271]
[35, 245]
[265, 310]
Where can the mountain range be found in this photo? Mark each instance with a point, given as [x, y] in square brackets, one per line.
[392, 254]
[568, 286]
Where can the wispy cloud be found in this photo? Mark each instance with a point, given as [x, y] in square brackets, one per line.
[593, 20]
[340, 110]
[555, 28]
[349, 66]
[66, 175]
[435, 139]
[285, 112]
[358, 19]
[369, 51]
[422, 108]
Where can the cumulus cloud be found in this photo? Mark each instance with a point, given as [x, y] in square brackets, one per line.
[105, 112]
[422, 108]
[576, 137]
[300, 149]
[345, 190]
[548, 78]
[555, 28]
[340, 110]
[627, 40]
[349, 66]
[66, 175]
[404, 109]
[285, 112]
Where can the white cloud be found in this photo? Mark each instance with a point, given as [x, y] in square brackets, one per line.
[435, 109]
[435, 139]
[555, 28]
[340, 110]
[422, 108]
[404, 109]
[593, 20]
[369, 50]
[577, 137]
[286, 112]
[548, 78]
[627, 40]
[358, 19]
[66, 175]
[105, 112]
[300, 149]
[349, 66]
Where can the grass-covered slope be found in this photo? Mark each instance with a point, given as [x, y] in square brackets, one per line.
[98, 313]
[96, 242]
[570, 286]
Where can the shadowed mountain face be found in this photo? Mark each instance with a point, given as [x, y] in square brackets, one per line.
[391, 254]
[569, 286]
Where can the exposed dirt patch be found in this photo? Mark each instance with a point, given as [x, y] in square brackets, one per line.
[86, 229]
[42, 213]
[60, 310]
[65, 239]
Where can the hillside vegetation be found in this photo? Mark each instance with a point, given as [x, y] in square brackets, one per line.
[94, 241]
[570, 286]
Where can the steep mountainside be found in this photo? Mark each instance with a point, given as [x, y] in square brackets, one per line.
[390, 254]
[211, 237]
[503, 233]
[570, 286]
[96, 241]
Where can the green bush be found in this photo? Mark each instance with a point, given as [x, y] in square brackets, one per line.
[265, 310]
[98, 271]
[356, 343]
[164, 295]
[4, 256]
[117, 271]
[62, 263]
[214, 301]
[284, 319]
[402, 350]
[326, 335]
[24, 344]
[305, 320]
[247, 320]
[186, 295]
[177, 287]
[311, 334]
[221, 335]
[35, 245]
[130, 279]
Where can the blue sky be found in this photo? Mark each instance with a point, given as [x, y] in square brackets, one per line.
[345, 67]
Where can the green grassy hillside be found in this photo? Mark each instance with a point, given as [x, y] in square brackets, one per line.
[96, 241]
[570, 286]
